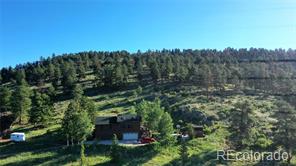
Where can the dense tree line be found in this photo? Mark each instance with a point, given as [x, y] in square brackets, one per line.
[244, 69]
[254, 68]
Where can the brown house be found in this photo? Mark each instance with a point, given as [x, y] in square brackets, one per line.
[126, 127]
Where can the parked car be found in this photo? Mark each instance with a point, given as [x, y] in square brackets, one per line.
[147, 140]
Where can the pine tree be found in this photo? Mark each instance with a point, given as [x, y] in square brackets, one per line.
[0, 78]
[125, 71]
[77, 92]
[5, 96]
[35, 113]
[236, 79]
[76, 124]
[41, 113]
[83, 125]
[206, 77]
[242, 122]
[138, 91]
[81, 70]
[108, 74]
[50, 71]
[20, 76]
[38, 73]
[139, 68]
[138, 65]
[51, 92]
[168, 67]
[165, 128]
[98, 72]
[142, 110]
[219, 76]
[118, 75]
[285, 135]
[182, 73]
[89, 106]
[85, 103]
[154, 115]
[155, 73]
[68, 77]
[21, 102]
[127, 63]
[68, 124]
[57, 76]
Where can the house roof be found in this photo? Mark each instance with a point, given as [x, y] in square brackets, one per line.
[17, 133]
[102, 120]
[127, 117]
[197, 126]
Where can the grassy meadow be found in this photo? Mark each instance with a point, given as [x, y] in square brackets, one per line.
[46, 146]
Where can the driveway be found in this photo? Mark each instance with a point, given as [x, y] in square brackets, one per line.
[120, 142]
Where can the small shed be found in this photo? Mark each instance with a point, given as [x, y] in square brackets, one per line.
[17, 137]
[198, 130]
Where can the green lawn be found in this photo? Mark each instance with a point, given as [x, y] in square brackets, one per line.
[41, 148]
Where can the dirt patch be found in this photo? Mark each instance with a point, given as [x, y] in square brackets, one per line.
[4, 140]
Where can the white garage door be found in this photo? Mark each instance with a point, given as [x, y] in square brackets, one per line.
[130, 136]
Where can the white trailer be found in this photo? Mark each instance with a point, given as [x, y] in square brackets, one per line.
[17, 137]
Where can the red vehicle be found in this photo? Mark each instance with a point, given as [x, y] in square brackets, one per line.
[147, 140]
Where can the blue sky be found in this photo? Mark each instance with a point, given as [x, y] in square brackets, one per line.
[30, 29]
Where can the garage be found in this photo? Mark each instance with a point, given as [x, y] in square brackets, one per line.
[130, 136]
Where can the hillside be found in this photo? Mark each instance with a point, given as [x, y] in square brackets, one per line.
[203, 87]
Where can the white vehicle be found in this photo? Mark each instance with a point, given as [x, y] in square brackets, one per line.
[17, 137]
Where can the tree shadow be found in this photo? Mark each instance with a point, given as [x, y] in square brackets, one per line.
[47, 140]
[130, 156]
[201, 159]
[94, 91]
[269, 163]
[60, 156]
